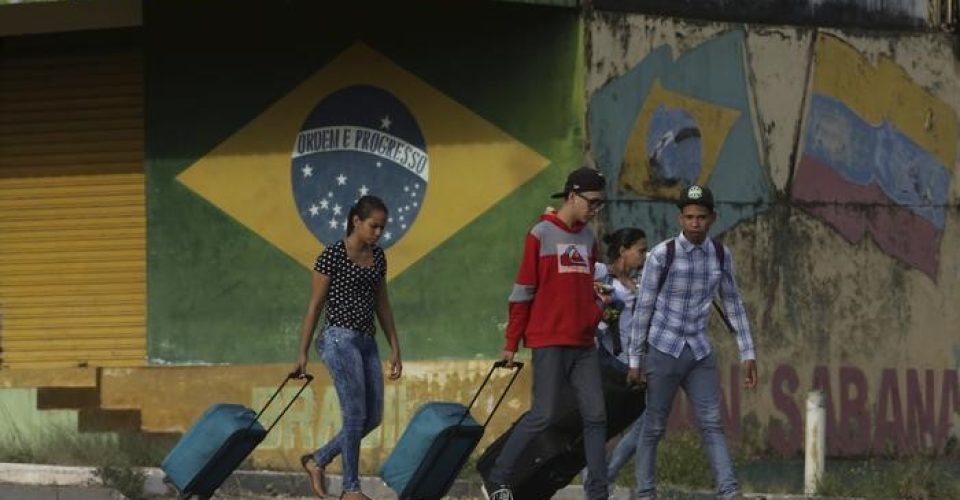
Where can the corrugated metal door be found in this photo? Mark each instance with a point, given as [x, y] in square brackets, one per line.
[72, 217]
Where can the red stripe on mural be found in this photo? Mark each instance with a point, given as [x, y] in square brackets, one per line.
[855, 210]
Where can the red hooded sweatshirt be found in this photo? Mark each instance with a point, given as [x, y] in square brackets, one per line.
[553, 301]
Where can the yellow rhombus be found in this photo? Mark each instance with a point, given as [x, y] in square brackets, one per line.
[473, 164]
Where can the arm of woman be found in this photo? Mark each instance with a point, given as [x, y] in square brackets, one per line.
[385, 317]
[318, 295]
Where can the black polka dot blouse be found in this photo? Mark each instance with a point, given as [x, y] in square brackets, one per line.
[352, 295]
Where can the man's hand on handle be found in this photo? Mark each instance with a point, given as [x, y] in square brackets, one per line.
[750, 379]
[636, 378]
[507, 358]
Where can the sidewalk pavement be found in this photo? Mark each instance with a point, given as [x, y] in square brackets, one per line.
[42, 482]
[55, 482]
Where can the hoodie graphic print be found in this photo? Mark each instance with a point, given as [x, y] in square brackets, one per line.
[553, 302]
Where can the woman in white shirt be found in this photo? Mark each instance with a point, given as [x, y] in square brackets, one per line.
[619, 278]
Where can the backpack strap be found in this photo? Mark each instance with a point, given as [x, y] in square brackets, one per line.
[721, 256]
[608, 278]
[671, 253]
[612, 330]
[723, 316]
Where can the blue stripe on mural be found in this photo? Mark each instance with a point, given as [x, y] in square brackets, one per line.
[863, 153]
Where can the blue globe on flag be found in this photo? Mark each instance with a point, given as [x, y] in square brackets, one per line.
[359, 140]
[674, 147]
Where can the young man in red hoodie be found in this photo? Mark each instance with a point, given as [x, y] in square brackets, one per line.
[554, 310]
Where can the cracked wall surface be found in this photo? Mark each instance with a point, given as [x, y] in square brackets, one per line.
[833, 157]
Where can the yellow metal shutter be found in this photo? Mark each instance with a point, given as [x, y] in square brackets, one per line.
[72, 217]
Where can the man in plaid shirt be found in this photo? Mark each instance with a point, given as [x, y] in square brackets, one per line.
[669, 348]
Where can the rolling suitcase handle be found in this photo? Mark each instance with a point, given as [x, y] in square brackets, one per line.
[499, 364]
[306, 376]
[418, 478]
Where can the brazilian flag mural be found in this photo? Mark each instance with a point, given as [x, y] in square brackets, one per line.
[267, 120]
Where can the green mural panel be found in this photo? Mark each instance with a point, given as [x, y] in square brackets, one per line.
[220, 292]
[22, 425]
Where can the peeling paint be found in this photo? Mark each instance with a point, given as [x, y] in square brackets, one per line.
[849, 283]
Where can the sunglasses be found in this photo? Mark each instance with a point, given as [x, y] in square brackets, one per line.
[593, 203]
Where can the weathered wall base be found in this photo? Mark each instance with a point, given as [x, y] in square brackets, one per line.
[833, 157]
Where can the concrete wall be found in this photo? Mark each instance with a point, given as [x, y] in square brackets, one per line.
[833, 157]
[241, 202]
[920, 15]
[490, 91]
[25, 426]
[834, 160]
[46, 16]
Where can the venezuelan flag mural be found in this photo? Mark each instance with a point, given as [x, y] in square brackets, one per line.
[876, 155]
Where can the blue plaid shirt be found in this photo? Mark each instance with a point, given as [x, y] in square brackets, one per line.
[678, 315]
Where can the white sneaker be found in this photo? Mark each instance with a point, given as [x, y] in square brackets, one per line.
[501, 492]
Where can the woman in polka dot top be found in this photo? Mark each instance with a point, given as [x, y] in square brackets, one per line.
[350, 279]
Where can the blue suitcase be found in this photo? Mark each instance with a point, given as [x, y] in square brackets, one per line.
[436, 444]
[216, 445]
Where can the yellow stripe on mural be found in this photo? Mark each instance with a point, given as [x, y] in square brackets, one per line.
[315, 418]
[713, 121]
[885, 92]
[473, 164]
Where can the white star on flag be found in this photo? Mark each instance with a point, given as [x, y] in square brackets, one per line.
[326, 185]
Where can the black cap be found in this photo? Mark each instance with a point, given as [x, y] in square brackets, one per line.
[696, 195]
[582, 180]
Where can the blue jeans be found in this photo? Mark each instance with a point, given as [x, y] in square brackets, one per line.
[354, 365]
[627, 445]
[625, 449]
[699, 380]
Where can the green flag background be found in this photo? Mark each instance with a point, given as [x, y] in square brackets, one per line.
[219, 292]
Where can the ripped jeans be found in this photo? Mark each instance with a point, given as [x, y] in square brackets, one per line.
[354, 364]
